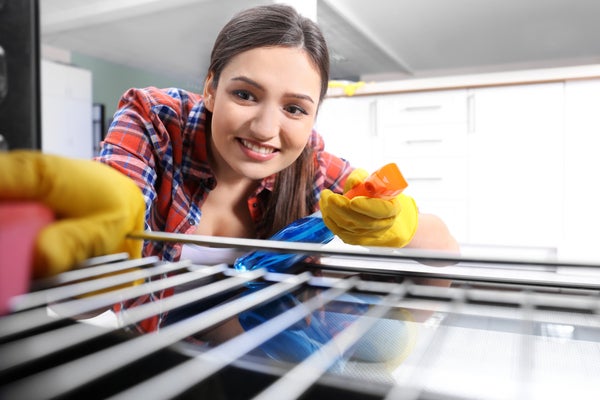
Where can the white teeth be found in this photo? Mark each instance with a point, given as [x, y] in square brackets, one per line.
[257, 148]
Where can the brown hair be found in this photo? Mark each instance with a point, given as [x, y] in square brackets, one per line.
[277, 25]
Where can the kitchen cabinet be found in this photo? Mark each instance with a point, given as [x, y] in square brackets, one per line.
[426, 135]
[348, 127]
[511, 165]
[66, 110]
[515, 165]
[582, 170]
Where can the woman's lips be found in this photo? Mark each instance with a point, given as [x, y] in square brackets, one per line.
[257, 151]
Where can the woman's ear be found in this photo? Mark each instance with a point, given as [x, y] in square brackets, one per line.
[209, 92]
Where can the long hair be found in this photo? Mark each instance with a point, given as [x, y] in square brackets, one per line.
[268, 26]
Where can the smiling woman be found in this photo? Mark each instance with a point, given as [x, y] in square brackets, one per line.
[242, 159]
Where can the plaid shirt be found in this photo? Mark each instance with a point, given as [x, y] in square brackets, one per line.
[158, 138]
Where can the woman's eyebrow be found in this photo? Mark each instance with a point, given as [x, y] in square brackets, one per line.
[301, 97]
[248, 81]
[259, 86]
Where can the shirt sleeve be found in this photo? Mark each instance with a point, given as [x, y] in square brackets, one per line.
[332, 171]
[127, 146]
[145, 143]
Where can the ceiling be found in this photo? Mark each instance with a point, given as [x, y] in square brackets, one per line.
[369, 40]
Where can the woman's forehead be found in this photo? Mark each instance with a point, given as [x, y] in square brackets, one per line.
[288, 66]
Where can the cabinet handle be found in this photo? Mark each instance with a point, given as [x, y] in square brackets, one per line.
[373, 118]
[471, 113]
[423, 141]
[422, 108]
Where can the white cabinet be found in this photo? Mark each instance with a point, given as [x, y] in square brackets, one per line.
[347, 125]
[582, 170]
[426, 135]
[66, 110]
[515, 170]
[512, 165]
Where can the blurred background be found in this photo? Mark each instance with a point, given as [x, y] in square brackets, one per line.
[369, 40]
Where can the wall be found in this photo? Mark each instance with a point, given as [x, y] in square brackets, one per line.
[110, 81]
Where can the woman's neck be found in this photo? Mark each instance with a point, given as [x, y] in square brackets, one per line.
[237, 184]
[225, 210]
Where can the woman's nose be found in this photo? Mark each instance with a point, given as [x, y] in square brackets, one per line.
[265, 123]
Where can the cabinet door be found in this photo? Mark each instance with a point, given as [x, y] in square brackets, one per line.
[582, 170]
[516, 165]
[66, 110]
[426, 135]
[347, 125]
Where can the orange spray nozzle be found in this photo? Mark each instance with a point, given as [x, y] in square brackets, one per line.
[385, 183]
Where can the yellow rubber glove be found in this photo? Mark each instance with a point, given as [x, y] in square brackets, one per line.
[369, 221]
[95, 207]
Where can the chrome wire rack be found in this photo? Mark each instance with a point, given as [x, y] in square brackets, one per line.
[352, 324]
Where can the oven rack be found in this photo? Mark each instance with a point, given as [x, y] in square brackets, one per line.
[513, 328]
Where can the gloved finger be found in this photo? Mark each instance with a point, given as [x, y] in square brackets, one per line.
[357, 176]
[374, 207]
[337, 212]
[361, 208]
[61, 245]
[95, 205]
[349, 237]
[358, 223]
[396, 231]
[70, 187]
[326, 198]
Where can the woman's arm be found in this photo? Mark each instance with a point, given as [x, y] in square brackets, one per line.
[433, 234]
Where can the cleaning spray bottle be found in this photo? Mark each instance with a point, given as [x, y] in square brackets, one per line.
[385, 183]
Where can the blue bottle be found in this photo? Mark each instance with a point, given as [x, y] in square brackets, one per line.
[385, 183]
[306, 337]
[309, 229]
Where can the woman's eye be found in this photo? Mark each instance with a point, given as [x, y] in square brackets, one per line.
[296, 110]
[244, 95]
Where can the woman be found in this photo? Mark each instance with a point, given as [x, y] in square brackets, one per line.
[242, 160]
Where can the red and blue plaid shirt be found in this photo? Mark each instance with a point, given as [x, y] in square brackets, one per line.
[158, 138]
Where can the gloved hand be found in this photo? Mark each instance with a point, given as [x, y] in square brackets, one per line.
[369, 221]
[95, 207]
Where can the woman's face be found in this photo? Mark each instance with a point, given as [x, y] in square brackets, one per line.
[264, 109]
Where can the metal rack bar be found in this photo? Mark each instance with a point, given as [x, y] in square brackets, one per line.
[33, 318]
[24, 350]
[359, 252]
[49, 384]
[297, 381]
[204, 365]
[55, 294]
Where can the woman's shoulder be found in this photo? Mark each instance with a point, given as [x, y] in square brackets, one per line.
[151, 96]
[331, 170]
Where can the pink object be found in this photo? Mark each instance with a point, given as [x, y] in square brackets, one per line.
[20, 223]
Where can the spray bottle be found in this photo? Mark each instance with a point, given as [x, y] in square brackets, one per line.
[385, 183]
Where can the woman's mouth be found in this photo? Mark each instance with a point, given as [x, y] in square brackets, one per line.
[257, 148]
